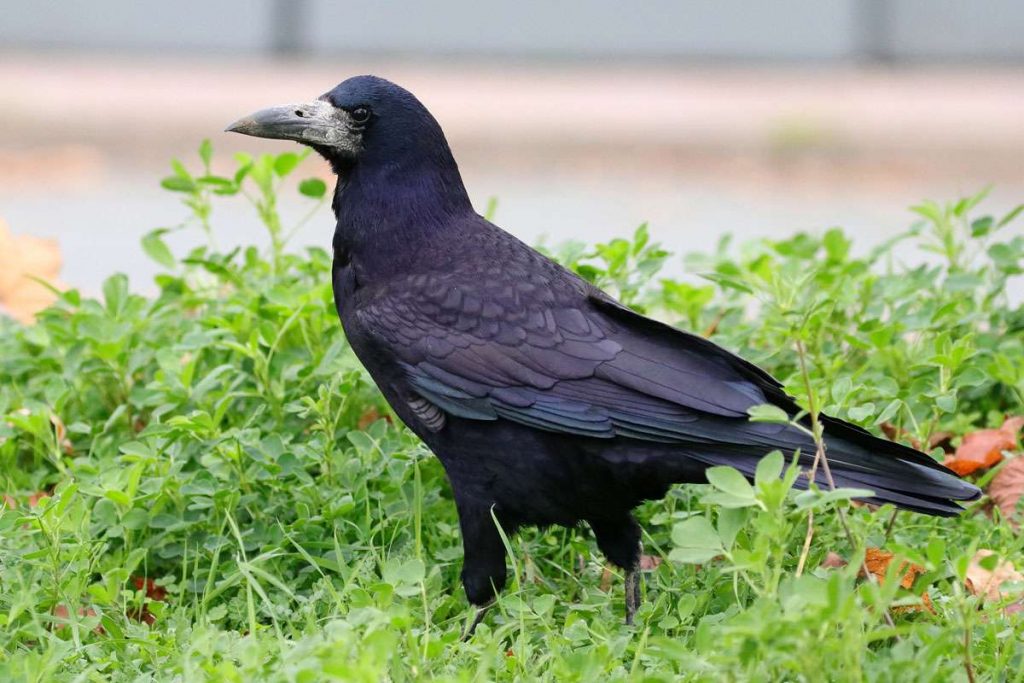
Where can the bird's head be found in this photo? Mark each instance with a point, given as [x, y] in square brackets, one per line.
[363, 119]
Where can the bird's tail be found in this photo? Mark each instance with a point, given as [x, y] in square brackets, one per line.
[897, 474]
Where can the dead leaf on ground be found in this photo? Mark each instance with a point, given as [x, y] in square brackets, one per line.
[143, 615]
[1006, 489]
[60, 433]
[649, 563]
[989, 582]
[833, 561]
[984, 448]
[23, 257]
[153, 591]
[606, 580]
[61, 612]
[37, 497]
[370, 416]
[877, 562]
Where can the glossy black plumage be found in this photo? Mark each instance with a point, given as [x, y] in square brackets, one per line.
[546, 401]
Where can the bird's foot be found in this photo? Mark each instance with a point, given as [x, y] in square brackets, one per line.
[632, 594]
[480, 613]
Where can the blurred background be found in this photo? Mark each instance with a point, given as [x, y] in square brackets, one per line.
[583, 118]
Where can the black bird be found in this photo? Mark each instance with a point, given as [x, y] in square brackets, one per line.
[547, 401]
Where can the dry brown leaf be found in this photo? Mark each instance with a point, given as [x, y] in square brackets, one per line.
[153, 591]
[984, 448]
[833, 561]
[989, 583]
[606, 580]
[649, 563]
[36, 497]
[143, 615]
[370, 416]
[877, 562]
[21, 258]
[60, 433]
[1006, 489]
[62, 613]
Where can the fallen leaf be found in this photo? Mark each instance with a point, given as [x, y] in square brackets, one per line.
[1006, 489]
[370, 416]
[877, 562]
[62, 613]
[60, 433]
[833, 561]
[21, 258]
[153, 591]
[649, 563]
[36, 497]
[606, 580]
[143, 615]
[989, 582]
[984, 448]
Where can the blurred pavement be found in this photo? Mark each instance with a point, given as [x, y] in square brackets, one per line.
[570, 150]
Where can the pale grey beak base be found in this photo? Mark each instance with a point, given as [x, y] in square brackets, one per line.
[311, 123]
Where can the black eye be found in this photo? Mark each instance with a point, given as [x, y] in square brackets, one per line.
[360, 114]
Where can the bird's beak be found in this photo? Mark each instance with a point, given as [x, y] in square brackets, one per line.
[311, 123]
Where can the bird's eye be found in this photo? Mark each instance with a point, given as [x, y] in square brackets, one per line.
[360, 114]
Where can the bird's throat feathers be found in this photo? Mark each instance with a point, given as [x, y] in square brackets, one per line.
[388, 205]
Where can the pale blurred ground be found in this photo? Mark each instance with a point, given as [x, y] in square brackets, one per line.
[571, 150]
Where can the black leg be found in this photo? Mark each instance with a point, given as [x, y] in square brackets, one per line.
[483, 567]
[619, 540]
[480, 613]
[632, 593]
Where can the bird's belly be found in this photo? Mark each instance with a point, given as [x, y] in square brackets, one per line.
[532, 476]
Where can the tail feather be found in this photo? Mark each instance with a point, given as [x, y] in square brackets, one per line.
[907, 478]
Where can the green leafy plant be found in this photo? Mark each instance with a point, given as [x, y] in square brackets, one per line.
[205, 485]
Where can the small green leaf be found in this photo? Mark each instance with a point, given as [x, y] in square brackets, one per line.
[769, 468]
[889, 412]
[729, 480]
[861, 412]
[177, 184]
[206, 152]
[285, 163]
[767, 412]
[119, 497]
[696, 541]
[155, 247]
[313, 187]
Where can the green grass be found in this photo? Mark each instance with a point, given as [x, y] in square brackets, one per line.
[221, 439]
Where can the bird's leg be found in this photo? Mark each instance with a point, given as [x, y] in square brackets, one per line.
[619, 540]
[632, 592]
[480, 613]
[483, 568]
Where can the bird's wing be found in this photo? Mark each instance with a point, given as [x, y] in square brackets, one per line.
[518, 338]
[540, 347]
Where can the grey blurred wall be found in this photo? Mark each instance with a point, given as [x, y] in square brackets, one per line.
[803, 30]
